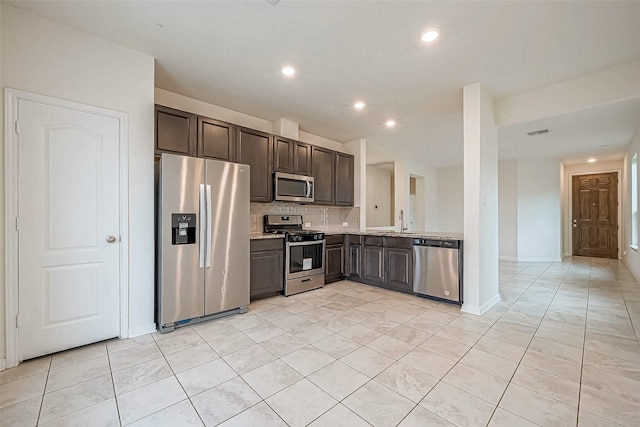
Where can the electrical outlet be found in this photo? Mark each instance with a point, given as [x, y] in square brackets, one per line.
[345, 224]
[307, 224]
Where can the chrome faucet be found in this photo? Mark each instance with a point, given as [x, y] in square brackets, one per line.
[403, 227]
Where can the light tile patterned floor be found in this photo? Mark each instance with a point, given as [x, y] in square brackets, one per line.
[560, 349]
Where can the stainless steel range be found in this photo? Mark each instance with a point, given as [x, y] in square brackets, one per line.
[304, 253]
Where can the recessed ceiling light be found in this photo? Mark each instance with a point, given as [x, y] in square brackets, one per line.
[430, 34]
[288, 70]
[390, 123]
[591, 160]
[359, 105]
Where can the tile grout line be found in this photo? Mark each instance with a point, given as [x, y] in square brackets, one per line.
[44, 392]
[113, 385]
[533, 336]
[584, 343]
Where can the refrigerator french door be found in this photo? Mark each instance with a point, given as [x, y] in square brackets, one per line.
[203, 239]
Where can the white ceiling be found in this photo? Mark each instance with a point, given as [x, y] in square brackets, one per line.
[229, 53]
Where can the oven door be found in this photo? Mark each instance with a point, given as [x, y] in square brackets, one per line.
[304, 259]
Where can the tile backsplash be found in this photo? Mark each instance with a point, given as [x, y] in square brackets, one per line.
[320, 217]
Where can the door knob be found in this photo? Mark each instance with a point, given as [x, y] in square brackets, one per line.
[111, 239]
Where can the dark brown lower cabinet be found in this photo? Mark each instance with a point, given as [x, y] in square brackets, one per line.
[266, 267]
[334, 259]
[355, 261]
[373, 264]
[386, 262]
[399, 269]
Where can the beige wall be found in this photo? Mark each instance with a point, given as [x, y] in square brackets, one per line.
[47, 58]
[451, 199]
[508, 209]
[378, 197]
[539, 210]
[631, 257]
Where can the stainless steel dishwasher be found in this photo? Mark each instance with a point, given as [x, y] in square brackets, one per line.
[437, 269]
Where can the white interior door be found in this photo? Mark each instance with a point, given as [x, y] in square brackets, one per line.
[68, 231]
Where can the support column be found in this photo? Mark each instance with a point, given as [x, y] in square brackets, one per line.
[480, 201]
[358, 148]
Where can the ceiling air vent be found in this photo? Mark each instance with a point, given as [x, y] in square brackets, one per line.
[538, 132]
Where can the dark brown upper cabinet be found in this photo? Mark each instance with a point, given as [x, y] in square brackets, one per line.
[283, 149]
[175, 131]
[255, 148]
[323, 172]
[301, 158]
[216, 139]
[344, 179]
[291, 156]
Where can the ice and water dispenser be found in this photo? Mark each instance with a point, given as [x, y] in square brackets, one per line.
[183, 229]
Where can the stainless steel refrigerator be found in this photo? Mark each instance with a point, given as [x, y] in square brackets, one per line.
[203, 240]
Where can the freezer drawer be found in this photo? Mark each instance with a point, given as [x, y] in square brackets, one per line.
[437, 271]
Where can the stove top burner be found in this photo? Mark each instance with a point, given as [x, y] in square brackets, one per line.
[291, 227]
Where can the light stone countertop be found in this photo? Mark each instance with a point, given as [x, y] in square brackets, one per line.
[260, 236]
[413, 235]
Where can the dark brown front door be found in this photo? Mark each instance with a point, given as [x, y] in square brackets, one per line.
[595, 215]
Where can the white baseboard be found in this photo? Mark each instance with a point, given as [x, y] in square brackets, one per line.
[3, 364]
[541, 259]
[143, 330]
[547, 259]
[487, 305]
[479, 311]
[467, 308]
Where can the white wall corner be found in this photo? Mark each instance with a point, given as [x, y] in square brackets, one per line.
[358, 148]
[286, 128]
[3, 364]
[141, 330]
[480, 310]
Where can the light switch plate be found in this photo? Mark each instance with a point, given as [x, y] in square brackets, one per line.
[307, 224]
[345, 224]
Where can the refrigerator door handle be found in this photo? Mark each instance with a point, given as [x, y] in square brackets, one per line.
[203, 225]
[209, 230]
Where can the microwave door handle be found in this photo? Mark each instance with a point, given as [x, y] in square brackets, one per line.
[308, 189]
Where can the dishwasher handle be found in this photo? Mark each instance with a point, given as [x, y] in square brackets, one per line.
[452, 244]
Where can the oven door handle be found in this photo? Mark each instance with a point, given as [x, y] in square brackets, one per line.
[313, 242]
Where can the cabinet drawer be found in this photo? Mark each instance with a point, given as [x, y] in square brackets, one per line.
[355, 239]
[399, 242]
[267, 245]
[335, 240]
[373, 240]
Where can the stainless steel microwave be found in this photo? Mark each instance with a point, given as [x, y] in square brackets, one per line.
[293, 188]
